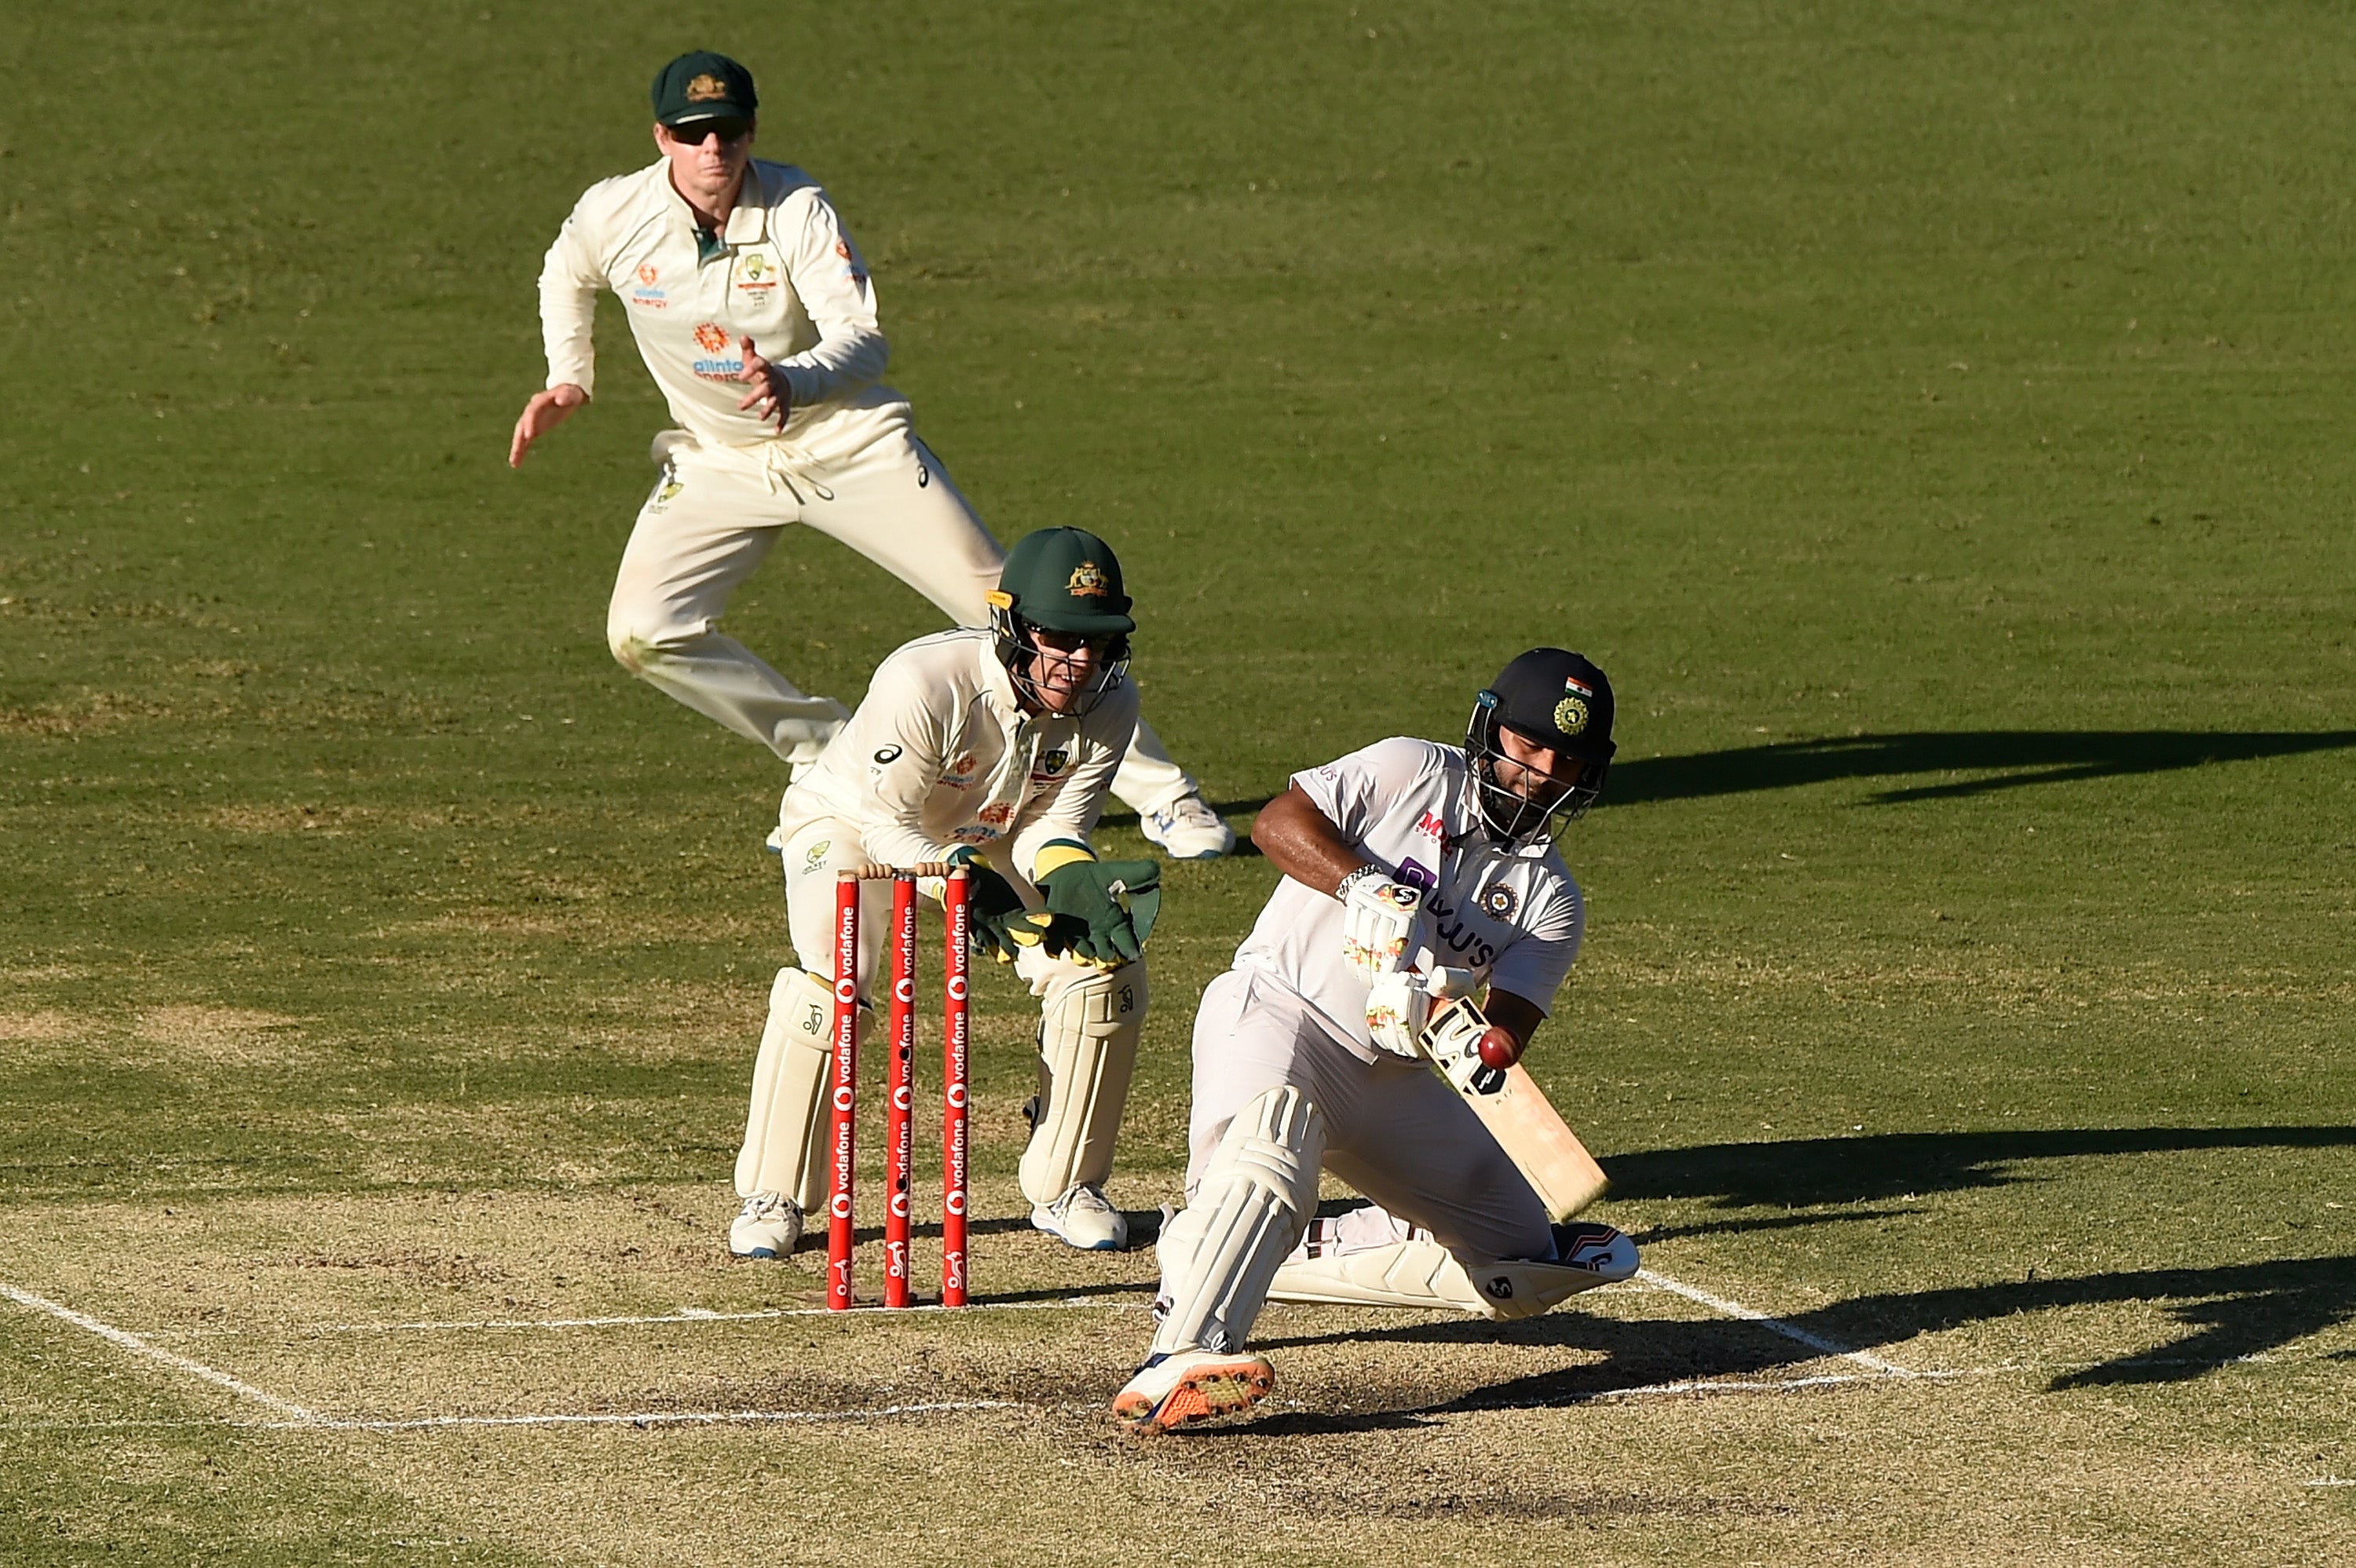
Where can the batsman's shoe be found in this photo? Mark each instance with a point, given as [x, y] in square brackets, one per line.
[770, 1227]
[1193, 1388]
[1084, 1218]
[1188, 829]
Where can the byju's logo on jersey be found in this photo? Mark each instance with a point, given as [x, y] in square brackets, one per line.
[719, 363]
[648, 295]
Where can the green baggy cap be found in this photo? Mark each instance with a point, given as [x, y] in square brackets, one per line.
[700, 85]
[1066, 580]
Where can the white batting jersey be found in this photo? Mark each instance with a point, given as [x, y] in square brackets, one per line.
[783, 274]
[940, 754]
[1514, 916]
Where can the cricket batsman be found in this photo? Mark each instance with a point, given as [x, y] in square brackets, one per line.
[992, 750]
[1411, 870]
[757, 317]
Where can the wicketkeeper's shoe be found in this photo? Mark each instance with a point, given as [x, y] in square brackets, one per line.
[1188, 829]
[770, 1227]
[1085, 1219]
[1193, 1388]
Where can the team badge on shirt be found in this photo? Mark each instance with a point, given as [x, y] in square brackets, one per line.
[1499, 902]
[755, 273]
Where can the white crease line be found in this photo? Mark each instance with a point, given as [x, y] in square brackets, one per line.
[138, 1347]
[646, 1418]
[2328, 1481]
[696, 1314]
[1783, 1385]
[1816, 1342]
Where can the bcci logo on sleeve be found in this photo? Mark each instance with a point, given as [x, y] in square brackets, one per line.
[717, 363]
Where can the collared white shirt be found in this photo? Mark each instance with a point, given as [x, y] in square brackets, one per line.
[940, 754]
[1513, 916]
[783, 274]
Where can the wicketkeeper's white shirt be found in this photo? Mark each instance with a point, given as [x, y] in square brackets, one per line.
[941, 754]
[784, 273]
[1514, 916]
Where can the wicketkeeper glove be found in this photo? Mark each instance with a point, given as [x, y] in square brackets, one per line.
[1001, 924]
[1111, 903]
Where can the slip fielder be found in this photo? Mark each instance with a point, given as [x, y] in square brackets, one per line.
[1403, 862]
[755, 316]
[994, 750]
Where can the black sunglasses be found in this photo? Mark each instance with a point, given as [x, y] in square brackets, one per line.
[692, 133]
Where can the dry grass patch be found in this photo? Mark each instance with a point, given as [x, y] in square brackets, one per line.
[42, 1027]
[224, 1037]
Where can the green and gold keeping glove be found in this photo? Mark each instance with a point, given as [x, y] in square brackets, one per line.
[1103, 909]
[1002, 925]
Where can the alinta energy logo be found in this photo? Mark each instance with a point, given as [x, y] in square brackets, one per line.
[649, 293]
[717, 363]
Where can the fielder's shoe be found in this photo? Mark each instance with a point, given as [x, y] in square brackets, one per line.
[1085, 1218]
[1193, 1388]
[1188, 829]
[770, 1227]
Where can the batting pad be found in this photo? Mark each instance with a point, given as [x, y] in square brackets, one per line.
[782, 1150]
[1255, 1199]
[1087, 1049]
[1420, 1273]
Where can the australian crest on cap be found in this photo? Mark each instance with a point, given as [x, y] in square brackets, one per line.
[705, 88]
[1088, 582]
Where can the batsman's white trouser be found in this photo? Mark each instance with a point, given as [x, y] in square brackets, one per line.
[1393, 1130]
[714, 515]
[1089, 1023]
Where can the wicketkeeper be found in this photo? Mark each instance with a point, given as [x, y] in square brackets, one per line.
[755, 316]
[1411, 870]
[994, 750]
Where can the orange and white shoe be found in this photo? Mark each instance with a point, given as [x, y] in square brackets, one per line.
[1193, 1388]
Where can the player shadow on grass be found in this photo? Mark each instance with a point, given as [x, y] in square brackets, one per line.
[1997, 759]
[1798, 1173]
[2237, 1311]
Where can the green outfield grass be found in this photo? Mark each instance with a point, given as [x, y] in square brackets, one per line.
[1934, 416]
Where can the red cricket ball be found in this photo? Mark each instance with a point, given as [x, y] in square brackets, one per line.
[1498, 1050]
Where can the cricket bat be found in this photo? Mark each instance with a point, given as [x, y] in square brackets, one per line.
[1516, 1112]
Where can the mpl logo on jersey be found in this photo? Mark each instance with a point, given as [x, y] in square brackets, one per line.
[719, 363]
[649, 294]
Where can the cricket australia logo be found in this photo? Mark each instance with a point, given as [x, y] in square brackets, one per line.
[1088, 582]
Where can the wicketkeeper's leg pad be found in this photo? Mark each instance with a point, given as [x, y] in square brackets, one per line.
[1088, 1027]
[1256, 1195]
[783, 1151]
[1418, 1272]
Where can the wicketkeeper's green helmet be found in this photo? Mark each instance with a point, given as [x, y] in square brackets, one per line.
[1066, 580]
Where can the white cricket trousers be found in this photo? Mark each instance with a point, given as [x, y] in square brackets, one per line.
[1392, 1129]
[713, 516]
